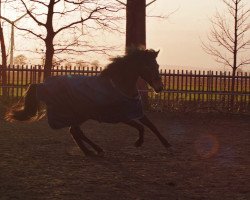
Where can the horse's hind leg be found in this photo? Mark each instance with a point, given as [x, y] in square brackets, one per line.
[75, 134]
[140, 128]
[144, 120]
[87, 140]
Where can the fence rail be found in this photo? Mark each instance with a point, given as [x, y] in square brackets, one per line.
[183, 89]
[187, 90]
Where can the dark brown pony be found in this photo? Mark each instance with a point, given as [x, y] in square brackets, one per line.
[123, 73]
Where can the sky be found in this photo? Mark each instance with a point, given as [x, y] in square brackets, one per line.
[178, 37]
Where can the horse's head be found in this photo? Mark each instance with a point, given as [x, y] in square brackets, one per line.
[136, 63]
[149, 70]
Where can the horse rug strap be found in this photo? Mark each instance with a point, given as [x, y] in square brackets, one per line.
[73, 99]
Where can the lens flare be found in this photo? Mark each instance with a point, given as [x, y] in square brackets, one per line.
[207, 146]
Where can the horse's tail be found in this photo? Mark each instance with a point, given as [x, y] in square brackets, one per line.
[27, 109]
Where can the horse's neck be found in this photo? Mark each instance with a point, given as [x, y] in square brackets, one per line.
[126, 83]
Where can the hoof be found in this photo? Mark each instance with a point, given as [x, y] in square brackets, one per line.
[167, 145]
[101, 153]
[89, 153]
[171, 151]
[99, 150]
[138, 143]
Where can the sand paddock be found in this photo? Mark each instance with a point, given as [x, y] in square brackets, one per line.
[210, 160]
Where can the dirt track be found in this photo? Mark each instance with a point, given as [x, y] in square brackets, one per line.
[211, 160]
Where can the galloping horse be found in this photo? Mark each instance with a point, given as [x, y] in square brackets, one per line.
[110, 97]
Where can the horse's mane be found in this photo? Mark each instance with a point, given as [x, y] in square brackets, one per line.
[126, 62]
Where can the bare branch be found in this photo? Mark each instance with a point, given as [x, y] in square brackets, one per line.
[228, 4]
[75, 51]
[244, 63]
[121, 3]
[29, 31]
[40, 2]
[243, 45]
[31, 15]
[164, 16]
[150, 3]
[77, 3]
[81, 20]
[6, 19]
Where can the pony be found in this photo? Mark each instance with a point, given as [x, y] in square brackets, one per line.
[110, 97]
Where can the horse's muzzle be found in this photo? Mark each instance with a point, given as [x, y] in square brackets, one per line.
[157, 90]
[157, 85]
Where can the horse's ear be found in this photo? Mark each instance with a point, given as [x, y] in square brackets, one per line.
[156, 53]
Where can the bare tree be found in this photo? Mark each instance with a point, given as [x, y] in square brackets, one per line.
[95, 64]
[60, 20]
[80, 64]
[227, 38]
[20, 59]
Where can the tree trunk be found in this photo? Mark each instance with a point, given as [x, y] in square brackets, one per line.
[4, 63]
[136, 24]
[233, 89]
[48, 58]
[235, 53]
[136, 36]
[49, 40]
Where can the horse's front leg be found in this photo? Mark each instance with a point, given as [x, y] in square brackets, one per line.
[75, 134]
[87, 140]
[140, 128]
[144, 120]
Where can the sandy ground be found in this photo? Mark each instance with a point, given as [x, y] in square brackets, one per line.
[210, 160]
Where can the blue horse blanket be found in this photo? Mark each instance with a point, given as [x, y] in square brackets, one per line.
[73, 99]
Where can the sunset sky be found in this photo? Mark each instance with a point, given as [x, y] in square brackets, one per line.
[178, 36]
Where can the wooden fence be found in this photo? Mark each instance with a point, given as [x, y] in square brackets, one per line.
[200, 90]
[184, 90]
